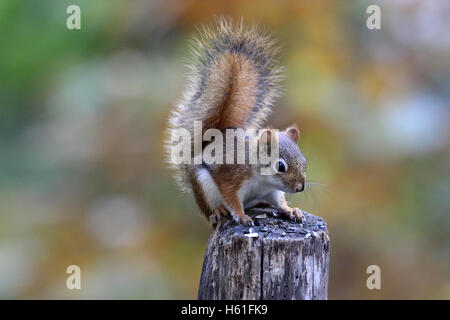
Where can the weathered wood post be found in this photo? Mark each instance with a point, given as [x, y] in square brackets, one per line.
[275, 259]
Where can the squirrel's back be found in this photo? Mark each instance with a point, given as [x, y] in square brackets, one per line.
[233, 80]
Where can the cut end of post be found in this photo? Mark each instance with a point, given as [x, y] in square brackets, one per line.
[274, 259]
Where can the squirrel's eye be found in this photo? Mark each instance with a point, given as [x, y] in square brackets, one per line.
[282, 166]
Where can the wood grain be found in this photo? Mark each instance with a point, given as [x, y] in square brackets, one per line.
[279, 259]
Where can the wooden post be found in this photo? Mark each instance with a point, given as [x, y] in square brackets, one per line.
[276, 259]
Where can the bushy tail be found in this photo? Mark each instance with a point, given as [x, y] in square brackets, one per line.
[233, 80]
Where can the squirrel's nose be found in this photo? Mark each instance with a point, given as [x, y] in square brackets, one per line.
[300, 187]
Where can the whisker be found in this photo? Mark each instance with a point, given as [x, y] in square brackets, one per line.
[313, 187]
[309, 183]
[316, 184]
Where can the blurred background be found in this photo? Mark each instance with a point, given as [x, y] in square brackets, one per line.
[82, 114]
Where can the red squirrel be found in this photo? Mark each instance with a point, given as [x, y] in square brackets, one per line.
[233, 82]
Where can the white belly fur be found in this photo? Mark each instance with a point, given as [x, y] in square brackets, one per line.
[254, 190]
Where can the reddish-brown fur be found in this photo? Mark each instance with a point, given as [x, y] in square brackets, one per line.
[233, 83]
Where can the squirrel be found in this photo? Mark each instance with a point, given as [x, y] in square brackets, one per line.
[233, 82]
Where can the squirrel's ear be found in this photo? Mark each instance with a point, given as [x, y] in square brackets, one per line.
[293, 133]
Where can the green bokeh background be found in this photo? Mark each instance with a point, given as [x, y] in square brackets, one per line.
[82, 114]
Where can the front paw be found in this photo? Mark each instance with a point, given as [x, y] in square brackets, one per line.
[246, 220]
[294, 214]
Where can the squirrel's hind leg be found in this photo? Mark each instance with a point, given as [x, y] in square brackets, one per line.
[228, 181]
[234, 204]
[219, 214]
[217, 198]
